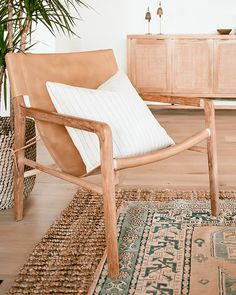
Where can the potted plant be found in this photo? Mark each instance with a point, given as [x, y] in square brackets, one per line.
[18, 21]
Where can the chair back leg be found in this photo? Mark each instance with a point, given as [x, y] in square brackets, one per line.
[212, 156]
[19, 142]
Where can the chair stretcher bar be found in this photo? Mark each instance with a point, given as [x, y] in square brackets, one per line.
[63, 175]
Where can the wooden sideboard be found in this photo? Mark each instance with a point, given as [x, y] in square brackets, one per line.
[183, 65]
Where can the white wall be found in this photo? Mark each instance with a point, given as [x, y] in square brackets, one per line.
[108, 26]
[45, 40]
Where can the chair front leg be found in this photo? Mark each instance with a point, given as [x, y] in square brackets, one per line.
[212, 156]
[19, 142]
[108, 183]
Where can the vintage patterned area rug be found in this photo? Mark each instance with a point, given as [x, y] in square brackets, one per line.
[164, 237]
[173, 248]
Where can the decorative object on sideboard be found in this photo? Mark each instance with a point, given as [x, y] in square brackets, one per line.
[224, 31]
[148, 17]
[160, 13]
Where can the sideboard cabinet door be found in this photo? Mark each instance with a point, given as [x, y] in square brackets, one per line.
[192, 66]
[149, 65]
[225, 67]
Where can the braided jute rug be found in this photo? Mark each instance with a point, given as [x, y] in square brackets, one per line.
[66, 258]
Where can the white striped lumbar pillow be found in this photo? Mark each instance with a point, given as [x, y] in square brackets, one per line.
[134, 129]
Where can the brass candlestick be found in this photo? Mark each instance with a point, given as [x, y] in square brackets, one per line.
[160, 13]
[148, 17]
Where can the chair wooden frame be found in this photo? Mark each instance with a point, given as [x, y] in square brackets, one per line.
[109, 165]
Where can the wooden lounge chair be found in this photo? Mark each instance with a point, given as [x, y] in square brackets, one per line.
[28, 74]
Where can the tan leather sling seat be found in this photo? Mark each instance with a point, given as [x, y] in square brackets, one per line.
[85, 69]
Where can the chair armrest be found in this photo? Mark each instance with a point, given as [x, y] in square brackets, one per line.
[101, 129]
[188, 101]
[64, 120]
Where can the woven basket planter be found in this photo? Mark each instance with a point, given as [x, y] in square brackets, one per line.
[7, 162]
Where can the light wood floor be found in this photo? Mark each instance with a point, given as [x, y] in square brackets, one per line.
[187, 171]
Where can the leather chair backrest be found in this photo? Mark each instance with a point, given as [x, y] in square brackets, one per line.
[28, 74]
